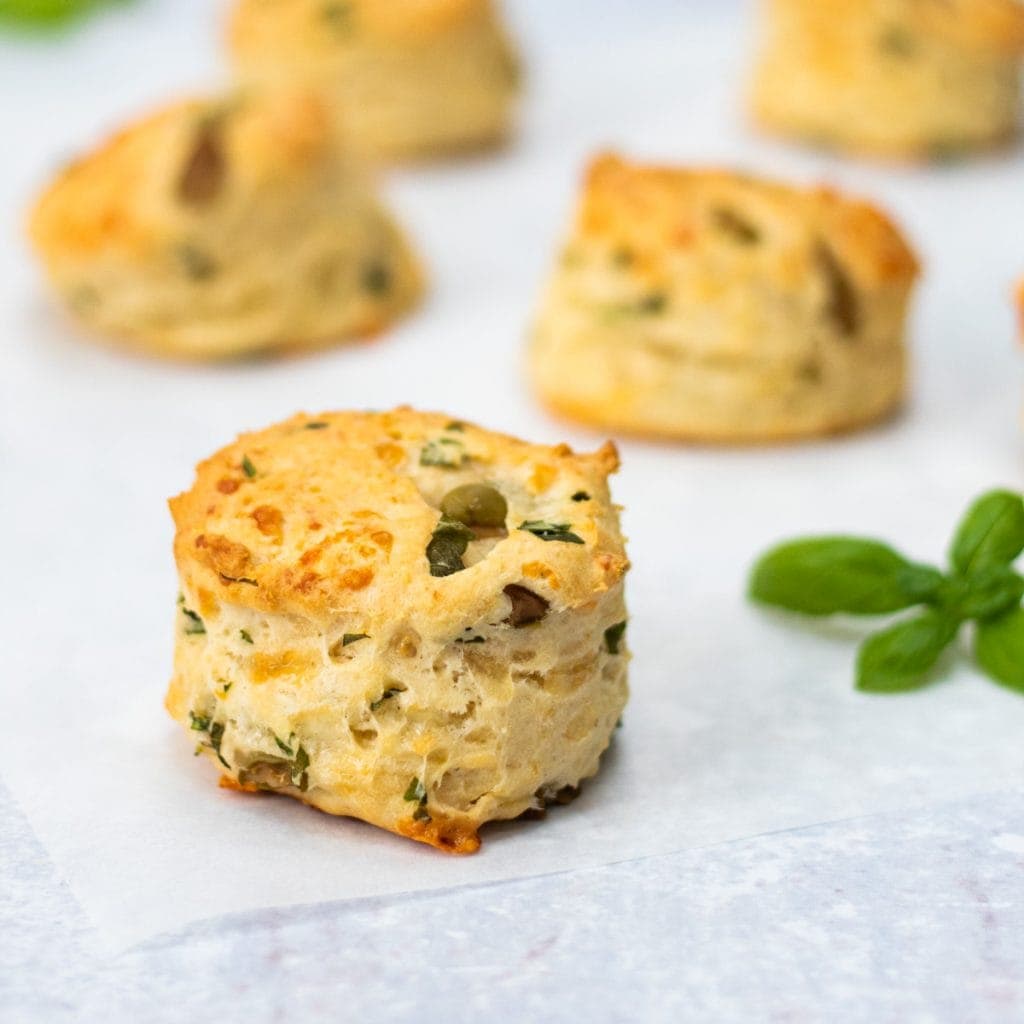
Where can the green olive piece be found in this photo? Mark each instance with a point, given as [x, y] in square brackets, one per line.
[475, 505]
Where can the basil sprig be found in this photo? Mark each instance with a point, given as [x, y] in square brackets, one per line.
[854, 576]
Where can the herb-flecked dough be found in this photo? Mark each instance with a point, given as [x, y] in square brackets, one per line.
[426, 644]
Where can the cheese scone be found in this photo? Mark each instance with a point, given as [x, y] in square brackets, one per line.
[406, 79]
[714, 306]
[401, 618]
[223, 228]
[892, 78]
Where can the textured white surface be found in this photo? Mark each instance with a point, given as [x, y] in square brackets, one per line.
[739, 725]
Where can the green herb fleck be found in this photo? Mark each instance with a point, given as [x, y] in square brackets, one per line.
[581, 496]
[247, 467]
[299, 774]
[214, 730]
[194, 626]
[447, 452]
[351, 638]
[338, 15]
[896, 41]
[613, 636]
[391, 691]
[415, 791]
[735, 225]
[200, 723]
[850, 575]
[315, 425]
[245, 635]
[551, 531]
[195, 263]
[457, 426]
[377, 279]
[285, 748]
[447, 545]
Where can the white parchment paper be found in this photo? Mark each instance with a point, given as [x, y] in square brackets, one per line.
[741, 722]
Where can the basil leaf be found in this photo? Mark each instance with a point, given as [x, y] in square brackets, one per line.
[247, 467]
[899, 658]
[988, 593]
[826, 575]
[999, 649]
[991, 533]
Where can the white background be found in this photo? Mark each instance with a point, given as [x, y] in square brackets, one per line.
[740, 723]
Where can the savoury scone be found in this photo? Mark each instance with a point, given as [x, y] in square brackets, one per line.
[895, 78]
[714, 306]
[406, 79]
[401, 618]
[222, 228]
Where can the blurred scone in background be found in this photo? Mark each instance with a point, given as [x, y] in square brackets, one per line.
[225, 227]
[893, 78]
[404, 79]
[709, 305]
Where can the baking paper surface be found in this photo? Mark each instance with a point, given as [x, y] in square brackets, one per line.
[740, 721]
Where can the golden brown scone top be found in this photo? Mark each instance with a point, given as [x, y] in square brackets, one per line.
[320, 27]
[995, 26]
[186, 160]
[330, 515]
[652, 214]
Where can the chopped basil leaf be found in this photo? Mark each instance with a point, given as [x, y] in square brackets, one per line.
[244, 634]
[285, 747]
[613, 636]
[415, 791]
[351, 638]
[215, 730]
[551, 531]
[200, 723]
[447, 452]
[447, 545]
[421, 813]
[315, 425]
[247, 467]
[299, 775]
[194, 626]
[456, 425]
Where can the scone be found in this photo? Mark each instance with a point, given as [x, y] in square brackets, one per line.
[406, 79]
[713, 306]
[401, 618]
[225, 228]
[893, 78]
